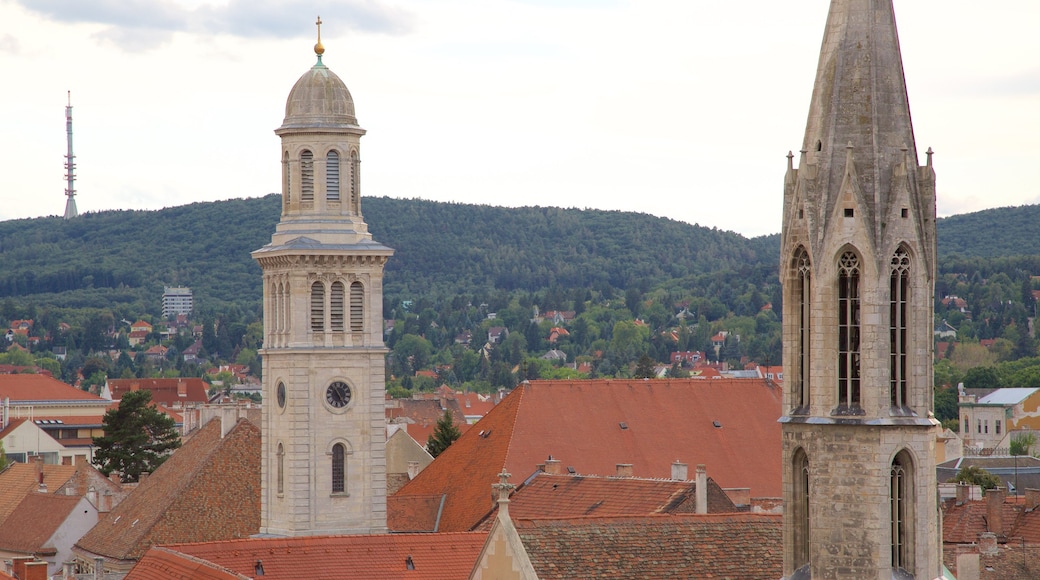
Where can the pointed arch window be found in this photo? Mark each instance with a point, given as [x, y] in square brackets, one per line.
[901, 502]
[800, 472]
[332, 176]
[317, 307]
[802, 296]
[898, 310]
[339, 468]
[281, 469]
[306, 176]
[357, 307]
[336, 306]
[849, 334]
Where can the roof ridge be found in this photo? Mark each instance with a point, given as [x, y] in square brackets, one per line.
[522, 387]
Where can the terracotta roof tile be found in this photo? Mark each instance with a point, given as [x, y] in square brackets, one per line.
[421, 513]
[164, 391]
[962, 524]
[372, 557]
[20, 479]
[34, 521]
[733, 546]
[580, 423]
[209, 489]
[40, 388]
[577, 496]
[163, 564]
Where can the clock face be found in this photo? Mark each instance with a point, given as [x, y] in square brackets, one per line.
[338, 394]
[281, 394]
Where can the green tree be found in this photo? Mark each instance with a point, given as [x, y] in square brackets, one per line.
[975, 475]
[444, 434]
[946, 404]
[1022, 443]
[3, 457]
[644, 368]
[138, 437]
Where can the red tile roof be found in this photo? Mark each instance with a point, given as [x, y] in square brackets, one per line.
[164, 391]
[578, 496]
[372, 557]
[41, 388]
[962, 524]
[164, 564]
[209, 489]
[34, 522]
[21, 479]
[580, 423]
[734, 546]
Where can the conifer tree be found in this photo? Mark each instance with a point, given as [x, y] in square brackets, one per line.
[444, 434]
[138, 437]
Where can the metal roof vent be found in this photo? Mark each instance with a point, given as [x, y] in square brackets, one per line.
[409, 564]
[717, 424]
[623, 425]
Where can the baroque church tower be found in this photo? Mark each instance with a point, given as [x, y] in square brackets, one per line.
[857, 267]
[323, 467]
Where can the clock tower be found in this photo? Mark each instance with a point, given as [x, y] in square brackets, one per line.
[323, 466]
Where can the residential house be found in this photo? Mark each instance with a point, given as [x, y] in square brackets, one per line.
[686, 358]
[208, 490]
[943, 330]
[556, 333]
[191, 354]
[405, 458]
[418, 417]
[19, 480]
[23, 440]
[165, 392]
[987, 422]
[464, 337]
[594, 425]
[45, 525]
[137, 337]
[140, 326]
[497, 334]
[69, 415]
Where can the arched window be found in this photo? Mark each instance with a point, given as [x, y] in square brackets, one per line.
[355, 179]
[336, 306]
[339, 460]
[317, 307]
[281, 469]
[901, 499]
[802, 296]
[800, 472]
[306, 176]
[332, 176]
[848, 333]
[286, 181]
[899, 292]
[357, 307]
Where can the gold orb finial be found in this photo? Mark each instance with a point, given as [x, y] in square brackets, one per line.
[319, 49]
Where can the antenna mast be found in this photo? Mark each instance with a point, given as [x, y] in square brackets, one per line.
[70, 167]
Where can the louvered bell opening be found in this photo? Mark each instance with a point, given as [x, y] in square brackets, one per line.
[306, 176]
[332, 176]
[357, 301]
[336, 307]
[317, 307]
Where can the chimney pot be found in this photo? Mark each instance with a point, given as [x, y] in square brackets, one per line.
[680, 471]
[962, 492]
[624, 470]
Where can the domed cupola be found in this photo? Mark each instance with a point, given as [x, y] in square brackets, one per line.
[320, 99]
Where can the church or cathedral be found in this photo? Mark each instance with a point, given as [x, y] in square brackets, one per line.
[323, 463]
[857, 265]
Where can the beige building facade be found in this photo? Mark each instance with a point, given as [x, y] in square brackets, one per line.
[323, 459]
[857, 268]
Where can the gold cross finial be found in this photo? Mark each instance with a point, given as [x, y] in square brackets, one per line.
[318, 48]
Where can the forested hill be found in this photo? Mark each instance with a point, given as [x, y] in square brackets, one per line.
[120, 260]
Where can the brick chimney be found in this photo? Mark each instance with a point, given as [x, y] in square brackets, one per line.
[680, 471]
[1032, 499]
[702, 489]
[182, 389]
[995, 511]
[553, 466]
[963, 490]
[35, 570]
[624, 470]
[18, 565]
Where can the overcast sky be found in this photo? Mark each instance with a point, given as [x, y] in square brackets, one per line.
[682, 108]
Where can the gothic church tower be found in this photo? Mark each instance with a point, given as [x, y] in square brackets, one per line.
[323, 468]
[857, 266]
